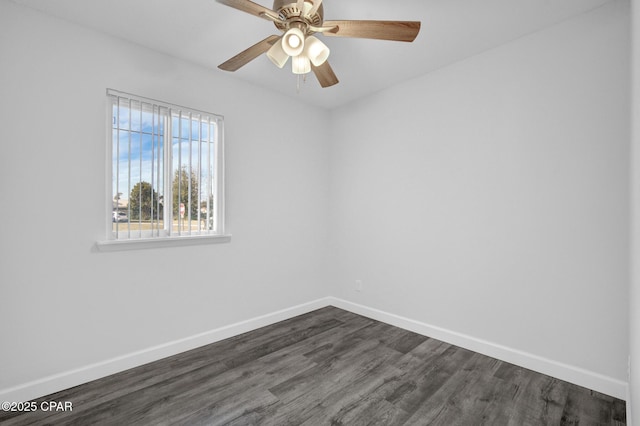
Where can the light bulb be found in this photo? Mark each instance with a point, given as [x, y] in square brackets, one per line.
[293, 42]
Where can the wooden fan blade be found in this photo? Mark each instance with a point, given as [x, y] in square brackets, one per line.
[249, 54]
[251, 7]
[380, 30]
[325, 75]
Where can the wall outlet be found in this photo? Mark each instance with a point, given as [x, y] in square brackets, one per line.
[358, 285]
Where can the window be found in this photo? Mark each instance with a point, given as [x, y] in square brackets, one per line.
[166, 174]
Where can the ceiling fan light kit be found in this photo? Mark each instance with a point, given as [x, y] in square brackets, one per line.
[316, 51]
[299, 20]
[293, 42]
[300, 64]
[277, 55]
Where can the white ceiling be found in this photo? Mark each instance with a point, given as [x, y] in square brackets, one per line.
[208, 33]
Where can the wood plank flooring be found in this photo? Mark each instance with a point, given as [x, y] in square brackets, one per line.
[328, 367]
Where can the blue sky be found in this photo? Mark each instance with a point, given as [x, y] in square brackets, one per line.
[139, 138]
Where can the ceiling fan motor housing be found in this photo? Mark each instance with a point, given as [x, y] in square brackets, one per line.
[289, 12]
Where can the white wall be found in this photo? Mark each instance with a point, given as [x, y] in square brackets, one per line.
[633, 402]
[490, 198]
[63, 305]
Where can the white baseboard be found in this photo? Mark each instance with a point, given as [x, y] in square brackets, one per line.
[58, 382]
[628, 399]
[67, 379]
[588, 379]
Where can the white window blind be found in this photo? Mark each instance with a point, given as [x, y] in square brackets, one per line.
[166, 177]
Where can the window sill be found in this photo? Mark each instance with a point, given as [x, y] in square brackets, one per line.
[148, 243]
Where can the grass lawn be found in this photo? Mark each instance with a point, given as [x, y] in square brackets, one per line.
[182, 226]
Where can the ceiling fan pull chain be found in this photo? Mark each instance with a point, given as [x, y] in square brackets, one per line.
[304, 81]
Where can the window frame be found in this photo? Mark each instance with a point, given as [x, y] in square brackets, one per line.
[166, 236]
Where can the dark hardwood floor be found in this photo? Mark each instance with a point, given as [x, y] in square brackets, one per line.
[328, 367]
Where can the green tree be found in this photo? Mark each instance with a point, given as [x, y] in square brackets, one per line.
[185, 184]
[143, 202]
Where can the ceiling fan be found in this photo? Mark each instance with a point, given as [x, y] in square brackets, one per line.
[299, 20]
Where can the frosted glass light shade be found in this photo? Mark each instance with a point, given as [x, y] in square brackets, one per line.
[300, 64]
[293, 42]
[277, 55]
[316, 51]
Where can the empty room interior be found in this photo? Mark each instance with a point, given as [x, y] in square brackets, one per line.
[475, 188]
